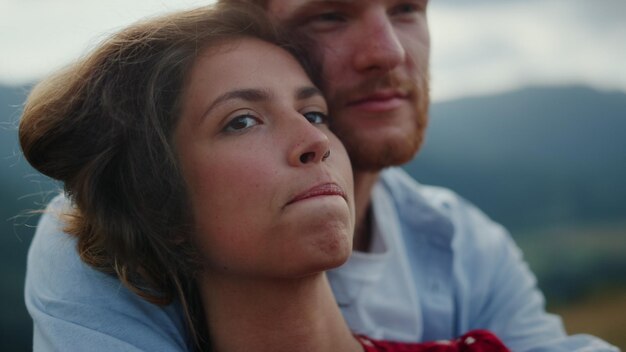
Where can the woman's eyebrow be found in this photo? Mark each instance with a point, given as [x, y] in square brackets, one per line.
[308, 92]
[248, 94]
[256, 95]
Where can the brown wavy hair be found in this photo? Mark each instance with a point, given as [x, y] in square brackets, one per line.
[103, 126]
[260, 3]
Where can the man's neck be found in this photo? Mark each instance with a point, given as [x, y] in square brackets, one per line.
[275, 315]
[363, 185]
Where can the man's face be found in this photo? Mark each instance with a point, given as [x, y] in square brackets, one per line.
[375, 58]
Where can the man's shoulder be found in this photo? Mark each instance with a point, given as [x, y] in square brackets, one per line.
[64, 296]
[54, 264]
[429, 211]
[406, 191]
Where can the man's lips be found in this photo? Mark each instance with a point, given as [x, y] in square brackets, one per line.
[379, 101]
[325, 189]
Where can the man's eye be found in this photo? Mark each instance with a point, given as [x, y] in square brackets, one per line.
[328, 17]
[404, 8]
[325, 21]
[240, 123]
[408, 8]
[316, 117]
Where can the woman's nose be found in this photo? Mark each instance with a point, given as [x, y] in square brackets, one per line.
[310, 144]
[308, 157]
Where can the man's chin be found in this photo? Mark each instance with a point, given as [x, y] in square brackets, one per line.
[374, 157]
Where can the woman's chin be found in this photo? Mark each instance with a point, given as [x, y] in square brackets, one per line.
[331, 254]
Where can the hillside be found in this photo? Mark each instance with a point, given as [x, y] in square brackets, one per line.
[14, 238]
[532, 158]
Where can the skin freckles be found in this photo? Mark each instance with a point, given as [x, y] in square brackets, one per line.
[289, 208]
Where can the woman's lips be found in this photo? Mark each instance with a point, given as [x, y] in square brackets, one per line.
[322, 190]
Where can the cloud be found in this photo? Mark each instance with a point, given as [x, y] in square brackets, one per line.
[494, 46]
[40, 36]
[479, 47]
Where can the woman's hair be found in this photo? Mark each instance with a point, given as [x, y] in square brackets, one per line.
[104, 126]
[261, 3]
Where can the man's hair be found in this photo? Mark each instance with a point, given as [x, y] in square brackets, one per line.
[104, 125]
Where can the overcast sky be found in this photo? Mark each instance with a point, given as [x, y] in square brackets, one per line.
[479, 46]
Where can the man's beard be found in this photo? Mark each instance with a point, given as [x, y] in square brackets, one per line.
[368, 156]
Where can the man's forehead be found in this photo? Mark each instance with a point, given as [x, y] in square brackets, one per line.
[298, 3]
[284, 9]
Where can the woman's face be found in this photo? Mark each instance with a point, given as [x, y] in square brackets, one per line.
[267, 198]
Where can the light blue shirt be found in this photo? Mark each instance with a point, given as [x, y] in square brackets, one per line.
[438, 268]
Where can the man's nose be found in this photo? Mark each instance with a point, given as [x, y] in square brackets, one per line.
[379, 48]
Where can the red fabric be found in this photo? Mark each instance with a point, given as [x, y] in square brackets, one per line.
[473, 341]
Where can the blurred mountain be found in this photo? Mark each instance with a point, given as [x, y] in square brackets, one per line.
[537, 159]
[549, 163]
[532, 158]
[20, 191]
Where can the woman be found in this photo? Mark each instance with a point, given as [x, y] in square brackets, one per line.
[195, 150]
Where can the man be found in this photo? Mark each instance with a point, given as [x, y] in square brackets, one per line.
[426, 266]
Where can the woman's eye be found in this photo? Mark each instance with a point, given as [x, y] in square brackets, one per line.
[316, 117]
[240, 123]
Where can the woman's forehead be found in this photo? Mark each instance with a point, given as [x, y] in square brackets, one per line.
[246, 60]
